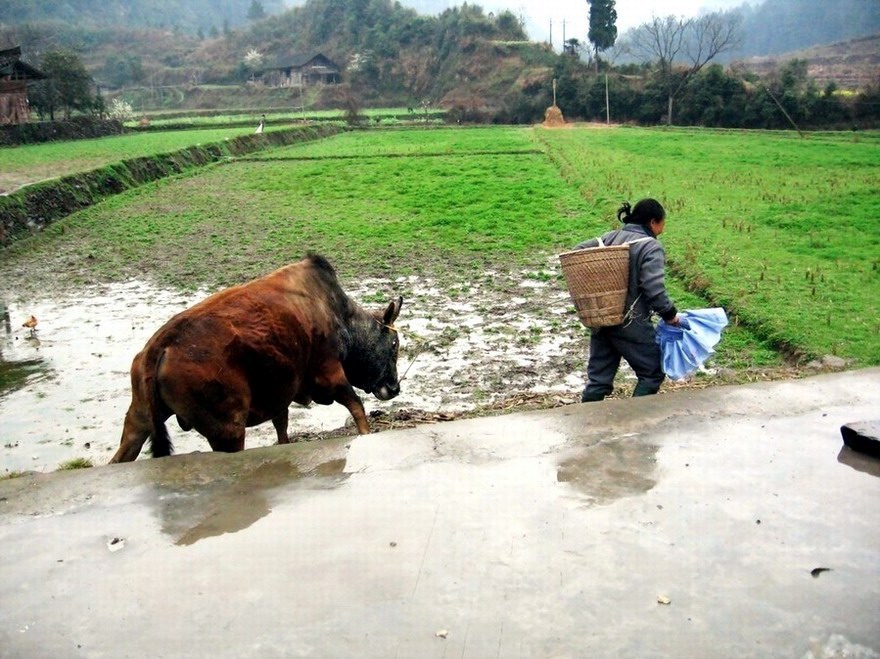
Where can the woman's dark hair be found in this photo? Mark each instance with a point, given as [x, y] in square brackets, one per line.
[645, 210]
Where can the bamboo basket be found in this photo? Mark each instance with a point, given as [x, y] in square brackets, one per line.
[598, 278]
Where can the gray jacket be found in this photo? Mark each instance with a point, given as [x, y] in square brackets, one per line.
[647, 288]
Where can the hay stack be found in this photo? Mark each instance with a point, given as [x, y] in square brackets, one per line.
[553, 117]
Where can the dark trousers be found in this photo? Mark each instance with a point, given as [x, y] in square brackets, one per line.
[606, 350]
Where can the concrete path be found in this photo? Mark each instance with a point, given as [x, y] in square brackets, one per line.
[727, 522]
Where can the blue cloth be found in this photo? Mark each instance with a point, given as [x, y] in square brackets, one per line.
[685, 348]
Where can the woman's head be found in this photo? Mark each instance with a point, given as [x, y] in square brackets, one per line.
[647, 212]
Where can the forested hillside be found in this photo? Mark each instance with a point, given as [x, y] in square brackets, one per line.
[782, 26]
[481, 65]
[769, 26]
[177, 15]
[462, 56]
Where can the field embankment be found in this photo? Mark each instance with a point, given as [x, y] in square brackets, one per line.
[37, 132]
[79, 185]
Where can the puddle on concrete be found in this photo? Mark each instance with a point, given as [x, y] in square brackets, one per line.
[71, 387]
[610, 470]
[229, 504]
[235, 514]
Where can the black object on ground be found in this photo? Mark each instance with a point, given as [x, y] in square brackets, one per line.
[862, 436]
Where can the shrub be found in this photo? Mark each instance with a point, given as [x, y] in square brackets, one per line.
[120, 110]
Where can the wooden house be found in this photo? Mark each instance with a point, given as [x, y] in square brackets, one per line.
[14, 77]
[302, 71]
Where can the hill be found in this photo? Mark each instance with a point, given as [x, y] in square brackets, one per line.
[774, 27]
[390, 55]
[851, 64]
[188, 16]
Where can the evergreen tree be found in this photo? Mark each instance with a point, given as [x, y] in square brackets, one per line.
[256, 11]
[603, 25]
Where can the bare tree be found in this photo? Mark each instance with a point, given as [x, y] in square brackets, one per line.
[680, 47]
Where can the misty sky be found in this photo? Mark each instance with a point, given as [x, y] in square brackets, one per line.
[575, 13]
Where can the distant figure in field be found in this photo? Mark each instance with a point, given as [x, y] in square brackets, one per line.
[262, 123]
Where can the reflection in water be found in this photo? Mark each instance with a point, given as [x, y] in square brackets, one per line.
[858, 461]
[195, 504]
[65, 386]
[14, 374]
[15, 369]
[233, 513]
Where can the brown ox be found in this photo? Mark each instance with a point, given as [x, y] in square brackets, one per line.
[241, 356]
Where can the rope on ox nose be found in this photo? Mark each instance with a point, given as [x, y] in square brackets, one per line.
[411, 362]
[421, 343]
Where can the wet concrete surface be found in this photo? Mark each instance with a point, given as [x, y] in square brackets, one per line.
[728, 521]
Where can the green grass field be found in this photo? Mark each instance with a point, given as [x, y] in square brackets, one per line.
[216, 119]
[780, 230]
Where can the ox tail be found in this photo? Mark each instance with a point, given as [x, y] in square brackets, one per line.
[160, 441]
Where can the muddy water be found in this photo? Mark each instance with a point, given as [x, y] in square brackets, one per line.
[72, 398]
[64, 388]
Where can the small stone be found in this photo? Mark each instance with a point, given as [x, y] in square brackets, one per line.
[833, 361]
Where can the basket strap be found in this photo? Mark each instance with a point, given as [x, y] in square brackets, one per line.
[639, 240]
[628, 242]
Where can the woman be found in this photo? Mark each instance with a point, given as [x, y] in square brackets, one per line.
[634, 339]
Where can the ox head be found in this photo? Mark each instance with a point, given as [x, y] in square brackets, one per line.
[371, 362]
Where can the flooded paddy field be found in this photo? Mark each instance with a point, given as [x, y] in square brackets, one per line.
[65, 385]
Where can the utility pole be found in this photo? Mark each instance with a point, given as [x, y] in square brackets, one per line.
[787, 115]
[607, 104]
[551, 33]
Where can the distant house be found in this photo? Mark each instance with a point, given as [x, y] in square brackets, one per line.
[302, 70]
[14, 76]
